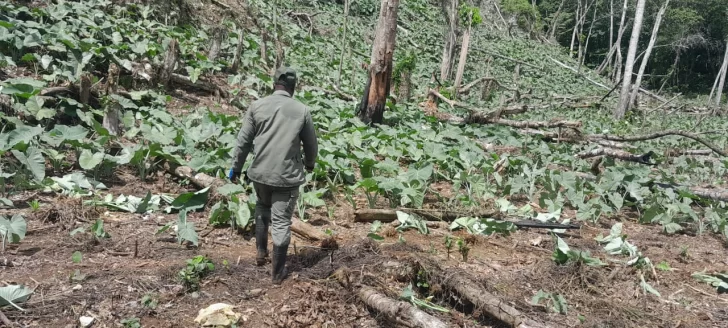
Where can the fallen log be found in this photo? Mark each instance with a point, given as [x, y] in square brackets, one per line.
[661, 134]
[618, 154]
[440, 216]
[202, 180]
[394, 310]
[468, 289]
[390, 215]
[687, 152]
[525, 124]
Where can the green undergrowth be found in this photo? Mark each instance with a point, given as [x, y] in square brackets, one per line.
[57, 143]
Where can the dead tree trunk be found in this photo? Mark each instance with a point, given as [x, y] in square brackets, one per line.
[720, 79]
[217, 36]
[449, 8]
[371, 108]
[554, 23]
[463, 54]
[624, 104]
[344, 44]
[643, 64]
[588, 36]
[616, 46]
[111, 115]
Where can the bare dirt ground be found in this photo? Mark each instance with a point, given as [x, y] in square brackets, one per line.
[116, 273]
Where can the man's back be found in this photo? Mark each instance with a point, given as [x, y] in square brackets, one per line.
[276, 125]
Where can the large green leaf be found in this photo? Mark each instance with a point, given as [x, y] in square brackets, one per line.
[89, 161]
[13, 229]
[12, 294]
[190, 201]
[186, 230]
[24, 134]
[32, 160]
[61, 133]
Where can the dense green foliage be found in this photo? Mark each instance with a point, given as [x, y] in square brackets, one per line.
[395, 163]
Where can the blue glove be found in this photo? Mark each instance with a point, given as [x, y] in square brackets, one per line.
[233, 176]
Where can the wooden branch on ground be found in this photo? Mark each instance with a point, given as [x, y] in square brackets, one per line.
[689, 152]
[618, 154]
[202, 180]
[470, 290]
[452, 103]
[656, 135]
[394, 310]
[204, 85]
[390, 215]
[525, 124]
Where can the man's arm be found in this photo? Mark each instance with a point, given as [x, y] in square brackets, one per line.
[310, 142]
[244, 143]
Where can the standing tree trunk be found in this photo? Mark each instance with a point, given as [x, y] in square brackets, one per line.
[344, 44]
[463, 54]
[588, 36]
[371, 108]
[450, 10]
[643, 64]
[617, 45]
[611, 30]
[577, 18]
[555, 21]
[720, 79]
[624, 97]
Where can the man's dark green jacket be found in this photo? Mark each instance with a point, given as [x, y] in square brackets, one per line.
[274, 127]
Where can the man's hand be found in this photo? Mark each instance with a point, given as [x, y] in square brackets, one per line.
[233, 176]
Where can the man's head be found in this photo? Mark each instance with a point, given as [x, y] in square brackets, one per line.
[285, 79]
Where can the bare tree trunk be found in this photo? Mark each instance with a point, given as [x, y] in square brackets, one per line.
[720, 79]
[624, 97]
[217, 35]
[588, 36]
[623, 27]
[238, 50]
[611, 30]
[344, 44]
[371, 109]
[111, 120]
[672, 70]
[450, 39]
[463, 55]
[576, 28]
[555, 21]
[643, 64]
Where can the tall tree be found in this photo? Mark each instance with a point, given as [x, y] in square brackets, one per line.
[371, 108]
[624, 97]
[471, 17]
[646, 57]
[720, 79]
[450, 10]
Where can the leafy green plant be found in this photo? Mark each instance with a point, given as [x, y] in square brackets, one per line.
[463, 248]
[131, 323]
[718, 280]
[557, 301]
[149, 301]
[563, 254]
[12, 230]
[196, 269]
[34, 205]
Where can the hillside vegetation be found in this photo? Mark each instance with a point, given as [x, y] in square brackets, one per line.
[517, 201]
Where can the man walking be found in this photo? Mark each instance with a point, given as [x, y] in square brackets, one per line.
[277, 125]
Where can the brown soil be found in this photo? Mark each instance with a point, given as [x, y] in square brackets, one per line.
[113, 280]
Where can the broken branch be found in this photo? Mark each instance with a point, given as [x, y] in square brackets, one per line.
[663, 134]
[618, 154]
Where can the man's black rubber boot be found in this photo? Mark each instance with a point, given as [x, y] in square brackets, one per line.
[279, 264]
[261, 242]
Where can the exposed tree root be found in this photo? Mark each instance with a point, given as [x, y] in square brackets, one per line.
[469, 289]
